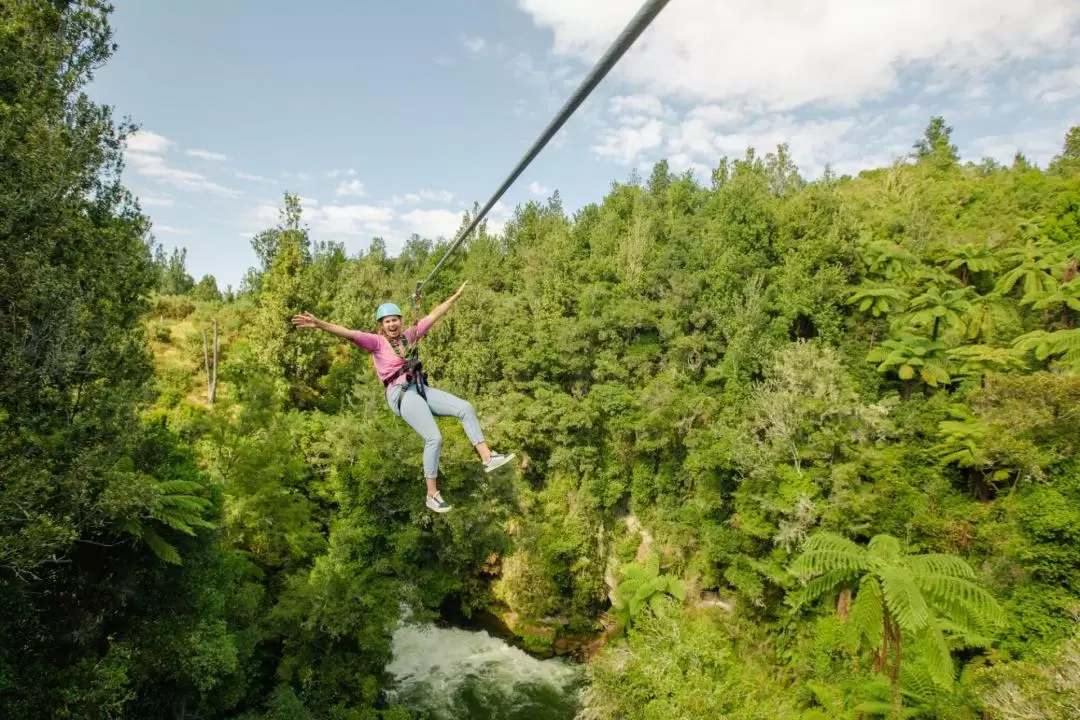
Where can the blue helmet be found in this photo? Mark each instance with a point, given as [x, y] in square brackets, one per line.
[387, 309]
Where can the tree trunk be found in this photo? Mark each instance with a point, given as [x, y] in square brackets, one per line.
[211, 370]
[894, 674]
[843, 605]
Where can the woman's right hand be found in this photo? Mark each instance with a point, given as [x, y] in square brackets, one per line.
[305, 320]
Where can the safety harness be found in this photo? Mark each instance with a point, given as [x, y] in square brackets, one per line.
[413, 369]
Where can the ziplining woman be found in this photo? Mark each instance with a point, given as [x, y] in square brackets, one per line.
[409, 397]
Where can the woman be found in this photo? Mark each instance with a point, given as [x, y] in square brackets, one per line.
[389, 350]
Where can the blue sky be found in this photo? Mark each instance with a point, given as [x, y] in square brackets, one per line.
[391, 118]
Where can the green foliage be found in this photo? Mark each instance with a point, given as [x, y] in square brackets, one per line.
[900, 599]
[644, 586]
[1047, 686]
[745, 369]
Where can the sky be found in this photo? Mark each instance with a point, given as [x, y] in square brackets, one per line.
[394, 118]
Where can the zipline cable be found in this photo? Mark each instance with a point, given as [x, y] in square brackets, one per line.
[626, 38]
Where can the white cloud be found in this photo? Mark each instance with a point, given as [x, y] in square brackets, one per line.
[171, 230]
[155, 167]
[627, 142]
[439, 196]
[443, 60]
[144, 150]
[439, 222]
[1061, 84]
[354, 188]
[1034, 144]
[338, 173]
[537, 189]
[156, 201]
[432, 223]
[347, 219]
[255, 178]
[207, 154]
[798, 73]
[475, 44]
[146, 141]
[301, 176]
[716, 115]
[780, 56]
[641, 103]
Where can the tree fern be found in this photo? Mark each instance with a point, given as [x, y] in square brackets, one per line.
[914, 600]
[1062, 344]
[1032, 268]
[643, 585]
[975, 360]
[824, 552]
[174, 507]
[911, 355]
[878, 299]
[970, 259]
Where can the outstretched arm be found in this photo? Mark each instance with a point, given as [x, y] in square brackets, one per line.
[445, 306]
[309, 320]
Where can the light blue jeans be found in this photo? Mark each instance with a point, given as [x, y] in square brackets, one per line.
[420, 416]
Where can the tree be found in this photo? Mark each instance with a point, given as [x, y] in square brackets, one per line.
[94, 495]
[970, 259]
[206, 290]
[900, 598]
[1068, 162]
[879, 299]
[175, 279]
[1032, 267]
[913, 355]
[934, 308]
[935, 143]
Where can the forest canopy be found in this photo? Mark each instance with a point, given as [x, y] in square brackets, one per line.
[790, 447]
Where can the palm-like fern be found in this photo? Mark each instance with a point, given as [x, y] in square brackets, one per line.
[887, 260]
[1063, 344]
[175, 507]
[935, 307]
[879, 299]
[1066, 295]
[1033, 267]
[988, 314]
[970, 259]
[974, 360]
[911, 355]
[644, 585]
[899, 598]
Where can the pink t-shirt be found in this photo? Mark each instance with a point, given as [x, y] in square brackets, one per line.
[382, 353]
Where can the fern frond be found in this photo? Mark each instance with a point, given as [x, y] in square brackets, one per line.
[823, 584]
[885, 547]
[903, 599]
[179, 487]
[826, 551]
[967, 636]
[940, 564]
[916, 683]
[865, 612]
[934, 652]
[160, 547]
[961, 600]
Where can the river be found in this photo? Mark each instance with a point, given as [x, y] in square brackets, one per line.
[454, 674]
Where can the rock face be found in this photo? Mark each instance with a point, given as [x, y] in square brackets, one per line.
[545, 637]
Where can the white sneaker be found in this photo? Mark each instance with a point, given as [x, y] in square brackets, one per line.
[497, 461]
[436, 503]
